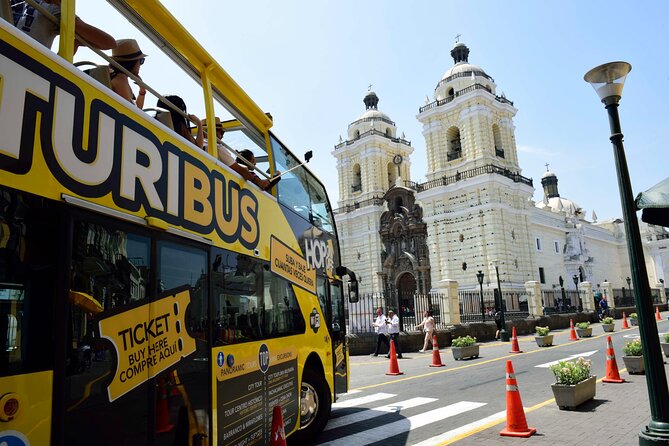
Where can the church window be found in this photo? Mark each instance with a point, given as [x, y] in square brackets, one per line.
[454, 144]
[392, 174]
[357, 134]
[356, 186]
[556, 244]
[388, 132]
[542, 276]
[497, 137]
[538, 243]
[450, 91]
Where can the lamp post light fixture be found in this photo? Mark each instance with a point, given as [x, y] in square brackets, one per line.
[503, 335]
[628, 282]
[479, 276]
[608, 80]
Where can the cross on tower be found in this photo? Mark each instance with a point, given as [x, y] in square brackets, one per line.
[546, 166]
[457, 38]
[369, 87]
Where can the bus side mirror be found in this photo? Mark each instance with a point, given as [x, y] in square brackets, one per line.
[353, 291]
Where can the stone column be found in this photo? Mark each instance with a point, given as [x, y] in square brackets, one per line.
[607, 291]
[587, 296]
[450, 308]
[534, 305]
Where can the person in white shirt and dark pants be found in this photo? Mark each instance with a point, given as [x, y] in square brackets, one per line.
[394, 331]
[381, 328]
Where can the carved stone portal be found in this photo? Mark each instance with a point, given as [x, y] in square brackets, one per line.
[406, 264]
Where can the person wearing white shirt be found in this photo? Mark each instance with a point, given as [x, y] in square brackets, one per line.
[381, 329]
[394, 331]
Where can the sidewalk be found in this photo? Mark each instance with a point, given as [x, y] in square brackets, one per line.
[614, 418]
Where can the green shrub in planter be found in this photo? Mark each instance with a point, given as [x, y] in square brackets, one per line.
[666, 337]
[542, 331]
[633, 316]
[607, 320]
[583, 325]
[633, 348]
[464, 341]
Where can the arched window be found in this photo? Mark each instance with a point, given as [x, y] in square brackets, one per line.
[356, 186]
[357, 134]
[497, 137]
[393, 173]
[388, 132]
[453, 145]
[451, 91]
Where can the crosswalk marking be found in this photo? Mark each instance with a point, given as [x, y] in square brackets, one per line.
[439, 439]
[398, 427]
[362, 400]
[569, 358]
[376, 412]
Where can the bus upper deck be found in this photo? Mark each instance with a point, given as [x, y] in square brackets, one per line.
[149, 294]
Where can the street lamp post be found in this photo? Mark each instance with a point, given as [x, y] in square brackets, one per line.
[608, 81]
[563, 298]
[580, 301]
[479, 276]
[503, 335]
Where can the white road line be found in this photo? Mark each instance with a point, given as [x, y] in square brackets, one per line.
[499, 416]
[401, 426]
[569, 358]
[350, 392]
[377, 412]
[362, 400]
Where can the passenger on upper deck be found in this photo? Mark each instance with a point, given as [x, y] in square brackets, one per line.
[180, 123]
[128, 55]
[223, 152]
[262, 183]
[40, 28]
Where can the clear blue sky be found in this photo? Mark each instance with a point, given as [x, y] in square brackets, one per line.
[309, 64]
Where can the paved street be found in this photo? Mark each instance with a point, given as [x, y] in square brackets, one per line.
[465, 401]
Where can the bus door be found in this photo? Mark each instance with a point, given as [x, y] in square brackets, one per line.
[30, 243]
[338, 333]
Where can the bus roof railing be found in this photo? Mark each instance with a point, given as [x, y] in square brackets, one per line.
[141, 83]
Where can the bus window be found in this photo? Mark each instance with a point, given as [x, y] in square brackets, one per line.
[299, 190]
[250, 302]
[28, 268]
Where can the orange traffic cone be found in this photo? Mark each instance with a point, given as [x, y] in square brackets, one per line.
[657, 314]
[278, 433]
[612, 375]
[162, 410]
[394, 368]
[625, 325]
[572, 332]
[173, 382]
[436, 357]
[516, 424]
[515, 348]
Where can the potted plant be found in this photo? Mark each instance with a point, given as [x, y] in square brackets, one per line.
[665, 344]
[465, 347]
[607, 324]
[633, 319]
[573, 383]
[543, 338]
[583, 329]
[633, 357]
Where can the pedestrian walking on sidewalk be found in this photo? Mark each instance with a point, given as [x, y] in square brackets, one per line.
[393, 323]
[428, 327]
[381, 329]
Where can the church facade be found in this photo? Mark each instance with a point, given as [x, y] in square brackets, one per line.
[475, 210]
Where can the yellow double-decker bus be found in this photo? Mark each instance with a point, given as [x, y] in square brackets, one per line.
[149, 294]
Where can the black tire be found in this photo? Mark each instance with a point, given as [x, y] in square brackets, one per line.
[314, 395]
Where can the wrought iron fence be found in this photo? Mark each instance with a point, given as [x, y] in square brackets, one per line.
[624, 297]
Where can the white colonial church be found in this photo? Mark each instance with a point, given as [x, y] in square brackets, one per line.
[475, 208]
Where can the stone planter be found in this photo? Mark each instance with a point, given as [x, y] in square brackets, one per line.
[633, 322]
[665, 348]
[544, 341]
[568, 397]
[634, 365]
[471, 351]
[608, 327]
[584, 332]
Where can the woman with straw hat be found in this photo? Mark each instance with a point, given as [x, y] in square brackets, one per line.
[128, 55]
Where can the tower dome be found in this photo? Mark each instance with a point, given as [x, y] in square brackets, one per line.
[371, 119]
[462, 74]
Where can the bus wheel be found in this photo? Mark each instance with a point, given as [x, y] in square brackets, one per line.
[315, 404]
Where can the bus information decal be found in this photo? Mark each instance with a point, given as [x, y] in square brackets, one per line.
[148, 340]
[247, 392]
[290, 265]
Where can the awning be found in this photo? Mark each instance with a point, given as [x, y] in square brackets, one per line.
[85, 302]
[655, 204]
